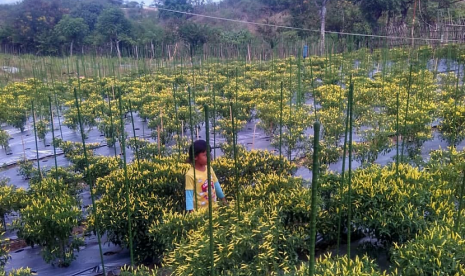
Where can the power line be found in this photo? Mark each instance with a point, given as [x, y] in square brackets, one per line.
[301, 29]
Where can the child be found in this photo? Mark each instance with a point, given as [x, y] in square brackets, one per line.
[199, 187]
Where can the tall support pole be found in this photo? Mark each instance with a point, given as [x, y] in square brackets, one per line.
[210, 201]
[315, 172]
[90, 182]
[35, 138]
[126, 179]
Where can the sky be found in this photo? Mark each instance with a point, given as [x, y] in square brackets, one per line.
[14, 1]
[8, 1]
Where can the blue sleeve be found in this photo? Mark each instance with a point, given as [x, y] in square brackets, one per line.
[219, 191]
[189, 200]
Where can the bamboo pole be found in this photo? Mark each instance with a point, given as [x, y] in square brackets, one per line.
[193, 147]
[35, 138]
[341, 187]
[134, 133]
[126, 179]
[315, 171]
[53, 138]
[210, 198]
[90, 182]
[349, 197]
[236, 172]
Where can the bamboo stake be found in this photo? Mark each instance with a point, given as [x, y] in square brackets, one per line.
[460, 207]
[126, 180]
[404, 130]
[236, 172]
[253, 138]
[134, 134]
[210, 198]
[315, 171]
[349, 198]
[35, 138]
[193, 147]
[113, 140]
[158, 140]
[281, 125]
[53, 138]
[90, 181]
[341, 187]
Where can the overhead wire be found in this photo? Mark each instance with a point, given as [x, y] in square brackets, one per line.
[300, 28]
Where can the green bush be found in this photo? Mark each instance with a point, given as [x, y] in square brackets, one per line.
[391, 208]
[138, 271]
[11, 199]
[26, 169]
[332, 266]
[436, 251]
[256, 243]
[154, 188]
[250, 164]
[4, 256]
[48, 219]
[20, 272]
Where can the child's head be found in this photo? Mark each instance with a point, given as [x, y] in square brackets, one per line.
[199, 147]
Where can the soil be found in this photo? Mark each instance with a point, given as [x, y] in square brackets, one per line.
[14, 245]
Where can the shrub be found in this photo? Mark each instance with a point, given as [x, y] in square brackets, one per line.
[138, 271]
[436, 251]
[26, 169]
[249, 166]
[154, 188]
[256, 243]
[332, 266]
[10, 199]
[391, 208]
[48, 219]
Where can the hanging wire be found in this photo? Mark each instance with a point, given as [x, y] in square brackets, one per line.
[301, 29]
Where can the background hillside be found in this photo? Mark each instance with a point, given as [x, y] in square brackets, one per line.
[113, 27]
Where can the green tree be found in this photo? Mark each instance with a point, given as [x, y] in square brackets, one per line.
[42, 129]
[196, 35]
[114, 26]
[89, 11]
[177, 5]
[72, 30]
[34, 22]
[4, 138]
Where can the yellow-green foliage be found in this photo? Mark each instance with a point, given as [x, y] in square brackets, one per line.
[153, 187]
[20, 272]
[392, 208]
[437, 251]
[3, 252]
[10, 198]
[328, 265]
[138, 271]
[265, 239]
[50, 214]
[249, 165]
[256, 243]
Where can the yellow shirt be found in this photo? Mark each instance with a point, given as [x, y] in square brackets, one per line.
[201, 186]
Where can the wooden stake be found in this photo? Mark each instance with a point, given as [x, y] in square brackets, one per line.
[158, 139]
[253, 138]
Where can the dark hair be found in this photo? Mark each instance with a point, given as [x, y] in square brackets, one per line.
[197, 148]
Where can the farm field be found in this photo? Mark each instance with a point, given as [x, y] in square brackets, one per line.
[351, 159]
